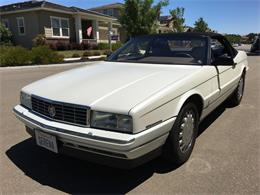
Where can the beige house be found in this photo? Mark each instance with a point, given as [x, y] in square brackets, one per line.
[110, 9]
[58, 23]
[165, 24]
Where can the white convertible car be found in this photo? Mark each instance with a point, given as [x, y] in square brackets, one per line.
[147, 99]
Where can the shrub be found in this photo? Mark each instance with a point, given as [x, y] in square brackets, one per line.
[103, 46]
[76, 55]
[52, 46]
[75, 46]
[14, 56]
[44, 55]
[5, 35]
[39, 40]
[91, 53]
[85, 45]
[94, 46]
[87, 53]
[61, 46]
[116, 45]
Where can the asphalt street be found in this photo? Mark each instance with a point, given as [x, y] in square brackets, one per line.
[225, 158]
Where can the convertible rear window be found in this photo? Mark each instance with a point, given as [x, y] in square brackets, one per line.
[163, 50]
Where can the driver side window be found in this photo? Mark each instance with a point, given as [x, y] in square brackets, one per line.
[134, 50]
[218, 49]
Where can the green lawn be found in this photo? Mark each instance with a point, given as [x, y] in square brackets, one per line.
[69, 53]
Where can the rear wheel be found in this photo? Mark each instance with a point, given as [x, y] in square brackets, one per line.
[181, 140]
[237, 95]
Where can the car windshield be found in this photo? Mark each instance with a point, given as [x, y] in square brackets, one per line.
[163, 50]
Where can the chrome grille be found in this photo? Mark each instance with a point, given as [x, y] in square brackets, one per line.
[64, 112]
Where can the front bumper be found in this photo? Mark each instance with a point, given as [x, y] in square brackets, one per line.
[106, 143]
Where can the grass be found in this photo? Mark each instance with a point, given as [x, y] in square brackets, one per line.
[69, 53]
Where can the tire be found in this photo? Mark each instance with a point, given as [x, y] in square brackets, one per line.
[181, 140]
[237, 95]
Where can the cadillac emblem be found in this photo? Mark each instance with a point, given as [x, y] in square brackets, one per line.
[52, 111]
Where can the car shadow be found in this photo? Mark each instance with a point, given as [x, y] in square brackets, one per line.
[212, 117]
[76, 176]
[253, 54]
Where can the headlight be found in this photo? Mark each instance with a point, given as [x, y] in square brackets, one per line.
[25, 100]
[117, 122]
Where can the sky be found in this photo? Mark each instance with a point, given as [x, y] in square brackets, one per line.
[225, 16]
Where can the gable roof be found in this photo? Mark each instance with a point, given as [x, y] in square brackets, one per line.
[24, 6]
[113, 5]
[21, 6]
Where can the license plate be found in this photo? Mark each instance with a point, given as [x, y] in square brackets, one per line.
[46, 141]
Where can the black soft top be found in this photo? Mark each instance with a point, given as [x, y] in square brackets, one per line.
[185, 34]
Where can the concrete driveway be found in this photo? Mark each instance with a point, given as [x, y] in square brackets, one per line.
[225, 158]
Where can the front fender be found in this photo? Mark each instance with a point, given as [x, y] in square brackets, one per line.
[183, 98]
[164, 112]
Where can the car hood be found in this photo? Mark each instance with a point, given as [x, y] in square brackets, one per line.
[110, 86]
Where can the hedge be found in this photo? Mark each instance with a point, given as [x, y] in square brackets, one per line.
[17, 56]
[44, 55]
[105, 46]
[14, 56]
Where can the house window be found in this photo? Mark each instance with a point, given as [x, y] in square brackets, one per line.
[60, 27]
[116, 13]
[21, 25]
[105, 11]
[6, 23]
[110, 12]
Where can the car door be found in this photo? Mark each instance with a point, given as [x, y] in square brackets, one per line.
[228, 74]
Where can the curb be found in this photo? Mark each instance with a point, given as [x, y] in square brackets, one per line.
[71, 59]
[82, 58]
[46, 66]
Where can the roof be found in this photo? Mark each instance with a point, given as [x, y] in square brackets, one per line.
[21, 6]
[164, 18]
[77, 9]
[45, 4]
[113, 5]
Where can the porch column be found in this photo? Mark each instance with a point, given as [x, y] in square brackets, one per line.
[96, 30]
[109, 35]
[78, 29]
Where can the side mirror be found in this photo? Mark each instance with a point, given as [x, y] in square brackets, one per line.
[224, 60]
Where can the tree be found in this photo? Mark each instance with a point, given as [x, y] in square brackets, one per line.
[233, 38]
[251, 37]
[200, 25]
[178, 19]
[5, 35]
[140, 17]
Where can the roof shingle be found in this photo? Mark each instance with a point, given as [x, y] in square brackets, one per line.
[45, 4]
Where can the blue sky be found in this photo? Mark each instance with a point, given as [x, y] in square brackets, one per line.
[225, 16]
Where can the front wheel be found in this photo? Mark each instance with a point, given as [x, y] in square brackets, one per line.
[181, 140]
[237, 95]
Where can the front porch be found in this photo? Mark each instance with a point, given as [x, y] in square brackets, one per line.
[96, 30]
